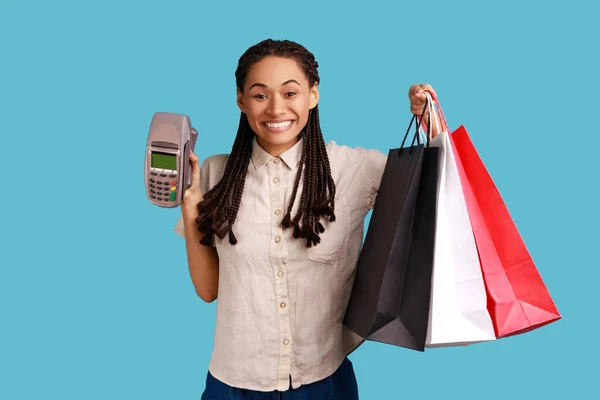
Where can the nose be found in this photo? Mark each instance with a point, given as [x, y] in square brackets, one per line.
[276, 106]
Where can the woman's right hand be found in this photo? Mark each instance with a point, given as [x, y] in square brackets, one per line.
[193, 195]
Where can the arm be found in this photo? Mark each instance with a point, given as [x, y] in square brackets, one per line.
[203, 262]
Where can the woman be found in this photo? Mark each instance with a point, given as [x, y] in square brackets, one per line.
[275, 228]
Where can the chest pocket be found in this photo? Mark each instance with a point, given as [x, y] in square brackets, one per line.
[335, 237]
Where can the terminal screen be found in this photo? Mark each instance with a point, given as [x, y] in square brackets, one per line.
[163, 160]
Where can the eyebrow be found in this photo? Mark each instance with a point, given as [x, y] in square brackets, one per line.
[283, 84]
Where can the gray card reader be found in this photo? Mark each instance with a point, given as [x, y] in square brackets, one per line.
[167, 168]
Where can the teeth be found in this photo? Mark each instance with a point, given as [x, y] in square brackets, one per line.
[278, 124]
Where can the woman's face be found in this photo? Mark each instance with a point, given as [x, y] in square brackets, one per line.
[276, 99]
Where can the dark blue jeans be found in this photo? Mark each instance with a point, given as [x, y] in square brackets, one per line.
[341, 385]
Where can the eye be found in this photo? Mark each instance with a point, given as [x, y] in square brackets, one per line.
[259, 96]
[290, 94]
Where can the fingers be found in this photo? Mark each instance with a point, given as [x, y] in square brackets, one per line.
[418, 98]
[193, 193]
[418, 91]
[193, 157]
[195, 164]
[427, 87]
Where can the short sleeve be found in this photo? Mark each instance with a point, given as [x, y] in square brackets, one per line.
[211, 172]
[374, 164]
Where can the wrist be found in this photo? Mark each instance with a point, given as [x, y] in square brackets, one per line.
[189, 211]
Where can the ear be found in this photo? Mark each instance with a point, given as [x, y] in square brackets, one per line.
[314, 96]
[240, 101]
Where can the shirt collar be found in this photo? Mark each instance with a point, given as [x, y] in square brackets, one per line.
[290, 157]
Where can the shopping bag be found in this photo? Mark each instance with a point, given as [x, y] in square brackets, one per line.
[389, 302]
[518, 300]
[458, 311]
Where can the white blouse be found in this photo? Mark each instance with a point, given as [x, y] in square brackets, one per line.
[280, 305]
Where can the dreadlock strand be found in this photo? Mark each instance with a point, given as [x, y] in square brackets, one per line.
[214, 208]
[328, 203]
[236, 180]
[314, 220]
[303, 198]
[237, 194]
[287, 219]
[308, 223]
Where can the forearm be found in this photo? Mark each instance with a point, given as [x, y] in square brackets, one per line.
[203, 261]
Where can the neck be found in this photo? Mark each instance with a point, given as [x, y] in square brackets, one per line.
[276, 150]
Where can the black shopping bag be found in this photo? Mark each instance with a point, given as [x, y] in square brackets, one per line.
[391, 295]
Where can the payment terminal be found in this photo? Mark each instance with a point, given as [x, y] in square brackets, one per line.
[167, 168]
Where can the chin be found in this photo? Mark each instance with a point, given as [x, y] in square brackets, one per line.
[279, 140]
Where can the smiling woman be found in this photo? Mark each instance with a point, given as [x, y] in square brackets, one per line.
[276, 99]
[282, 292]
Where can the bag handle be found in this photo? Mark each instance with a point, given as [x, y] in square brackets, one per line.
[438, 111]
[423, 132]
[419, 122]
[433, 115]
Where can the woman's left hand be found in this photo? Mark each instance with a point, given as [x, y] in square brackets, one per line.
[416, 95]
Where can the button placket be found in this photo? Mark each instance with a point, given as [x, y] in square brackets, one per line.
[278, 254]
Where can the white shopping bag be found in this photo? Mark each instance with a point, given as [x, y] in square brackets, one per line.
[458, 313]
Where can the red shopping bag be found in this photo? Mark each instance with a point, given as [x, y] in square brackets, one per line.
[518, 300]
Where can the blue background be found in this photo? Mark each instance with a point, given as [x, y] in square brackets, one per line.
[95, 296]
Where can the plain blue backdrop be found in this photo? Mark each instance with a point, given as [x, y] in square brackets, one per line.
[95, 296]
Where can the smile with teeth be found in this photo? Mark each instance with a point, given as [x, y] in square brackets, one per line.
[278, 125]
